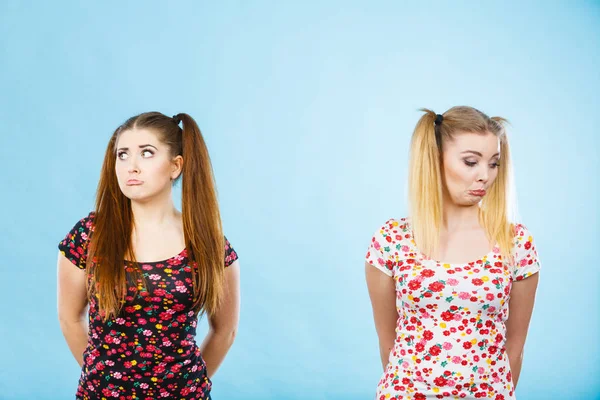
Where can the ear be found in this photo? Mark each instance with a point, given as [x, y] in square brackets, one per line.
[176, 167]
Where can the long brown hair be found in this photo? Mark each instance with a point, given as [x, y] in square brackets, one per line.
[425, 178]
[111, 242]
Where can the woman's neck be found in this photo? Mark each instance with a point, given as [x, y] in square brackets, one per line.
[157, 212]
[457, 218]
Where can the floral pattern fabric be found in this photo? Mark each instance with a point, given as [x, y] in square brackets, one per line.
[451, 333]
[149, 351]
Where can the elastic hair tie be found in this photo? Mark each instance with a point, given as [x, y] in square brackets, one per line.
[439, 118]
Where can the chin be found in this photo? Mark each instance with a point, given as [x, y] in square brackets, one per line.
[469, 202]
[133, 196]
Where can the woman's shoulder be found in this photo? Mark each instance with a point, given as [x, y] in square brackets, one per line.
[519, 229]
[83, 227]
[394, 230]
[524, 251]
[74, 244]
[87, 222]
[521, 233]
[396, 223]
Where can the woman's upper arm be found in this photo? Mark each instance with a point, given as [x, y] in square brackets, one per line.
[525, 279]
[227, 315]
[72, 291]
[382, 291]
[522, 298]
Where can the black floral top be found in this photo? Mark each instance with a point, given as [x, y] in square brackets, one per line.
[149, 351]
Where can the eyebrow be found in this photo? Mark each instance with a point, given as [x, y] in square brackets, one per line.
[478, 153]
[141, 146]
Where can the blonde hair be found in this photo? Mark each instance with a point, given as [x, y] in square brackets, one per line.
[425, 181]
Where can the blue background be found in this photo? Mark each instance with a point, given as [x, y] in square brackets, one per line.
[307, 108]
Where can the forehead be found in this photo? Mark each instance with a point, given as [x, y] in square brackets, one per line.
[487, 143]
[136, 137]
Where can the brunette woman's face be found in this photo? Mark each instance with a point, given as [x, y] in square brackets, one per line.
[470, 166]
[144, 165]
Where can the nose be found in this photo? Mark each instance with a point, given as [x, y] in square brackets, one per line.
[483, 175]
[132, 167]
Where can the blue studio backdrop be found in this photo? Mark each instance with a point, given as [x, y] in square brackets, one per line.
[307, 108]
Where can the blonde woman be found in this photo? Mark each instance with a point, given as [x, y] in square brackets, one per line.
[452, 286]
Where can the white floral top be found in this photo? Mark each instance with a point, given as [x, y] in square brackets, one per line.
[450, 334]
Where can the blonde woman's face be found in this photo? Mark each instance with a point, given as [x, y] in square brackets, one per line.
[470, 166]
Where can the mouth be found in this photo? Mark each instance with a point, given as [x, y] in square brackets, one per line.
[478, 192]
[134, 182]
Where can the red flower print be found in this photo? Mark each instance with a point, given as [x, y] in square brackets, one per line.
[419, 347]
[527, 245]
[477, 282]
[467, 345]
[435, 351]
[428, 273]
[436, 286]
[165, 316]
[428, 335]
[440, 381]
[447, 316]
[414, 284]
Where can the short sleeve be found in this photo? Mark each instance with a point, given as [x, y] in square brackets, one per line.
[379, 253]
[526, 261]
[74, 245]
[230, 254]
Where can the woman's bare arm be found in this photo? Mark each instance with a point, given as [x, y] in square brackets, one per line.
[382, 291]
[72, 306]
[522, 298]
[223, 324]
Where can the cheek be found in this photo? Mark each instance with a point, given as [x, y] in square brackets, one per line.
[457, 175]
[120, 169]
[159, 170]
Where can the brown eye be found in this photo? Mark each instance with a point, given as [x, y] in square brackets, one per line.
[121, 155]
[470, 163]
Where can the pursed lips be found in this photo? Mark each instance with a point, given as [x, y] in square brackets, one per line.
[134, 182]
